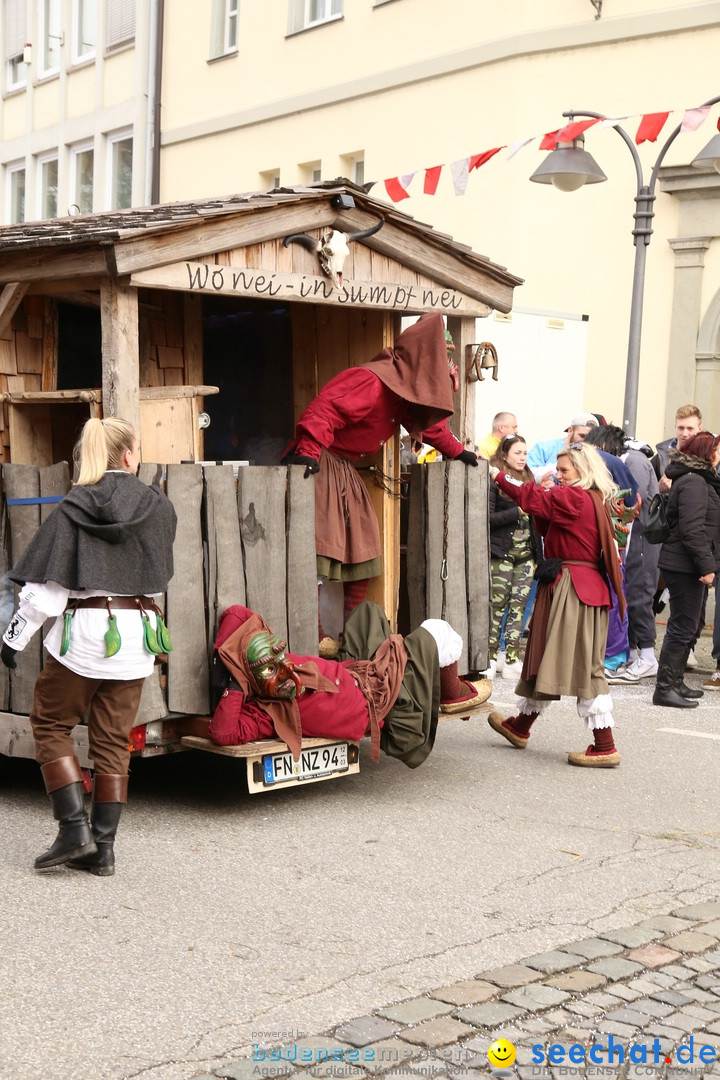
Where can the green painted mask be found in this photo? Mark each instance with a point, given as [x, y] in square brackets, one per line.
[273, 673]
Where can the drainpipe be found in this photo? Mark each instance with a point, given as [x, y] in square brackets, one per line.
[154, 89]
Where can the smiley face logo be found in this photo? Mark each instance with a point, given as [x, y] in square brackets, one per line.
[501, 1054]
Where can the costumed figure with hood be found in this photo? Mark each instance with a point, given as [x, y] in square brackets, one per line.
[565, 651]
[97, 564]
[354, 415]
[382, 685]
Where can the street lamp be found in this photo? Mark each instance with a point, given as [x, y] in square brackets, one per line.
[569, 167]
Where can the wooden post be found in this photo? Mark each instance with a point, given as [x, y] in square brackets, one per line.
[462, 422]
[120, 352]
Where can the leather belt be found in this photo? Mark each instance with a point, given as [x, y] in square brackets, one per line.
[137, 603]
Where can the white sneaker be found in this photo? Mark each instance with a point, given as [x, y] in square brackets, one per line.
[619, 675]
[512, 671]
[489, 673]
[642, 669]
[500, 663]
[691, 661]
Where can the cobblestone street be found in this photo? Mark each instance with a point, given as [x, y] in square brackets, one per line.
[654, 984]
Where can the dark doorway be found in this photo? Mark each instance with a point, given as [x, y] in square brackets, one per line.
[247, 349]
[79, 347]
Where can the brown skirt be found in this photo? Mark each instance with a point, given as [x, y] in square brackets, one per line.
[573, 660]
[346, 526]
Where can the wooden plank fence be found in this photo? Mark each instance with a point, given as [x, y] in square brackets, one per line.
[251, 541]
[448, 553]
[252, 545]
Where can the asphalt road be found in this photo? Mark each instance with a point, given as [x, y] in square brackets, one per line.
[231, 915]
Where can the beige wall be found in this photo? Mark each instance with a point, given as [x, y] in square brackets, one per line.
[412, 91]
[84, 102]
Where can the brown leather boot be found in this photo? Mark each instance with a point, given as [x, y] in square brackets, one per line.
[63, 783]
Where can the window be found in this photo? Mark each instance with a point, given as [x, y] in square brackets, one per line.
[224, 35]
[51, 37]
[120, 171]
[270, 179]
[84, 29]
[303, 14]
[82, 162]
[311, 172]
[119, 23]
[317, 11]
[47, 173]
[15, 194]
[15, 35]
[353, 166]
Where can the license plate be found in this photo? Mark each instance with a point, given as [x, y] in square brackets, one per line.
[318, 761]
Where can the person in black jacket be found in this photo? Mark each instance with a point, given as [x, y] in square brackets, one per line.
[515, 547]
[689, 559]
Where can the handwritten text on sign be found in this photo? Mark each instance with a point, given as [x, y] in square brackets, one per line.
[424, 295]
[307, 287]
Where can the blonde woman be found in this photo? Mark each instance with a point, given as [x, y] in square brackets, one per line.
[566, 646]
[96, 564]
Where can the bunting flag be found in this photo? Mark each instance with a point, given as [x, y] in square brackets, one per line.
[477, 160]
[575, 129]
[549, 141]
[514, 147]
[650, 127]
[693, 118]
[460, 170]
[397, 186]
[432, 178]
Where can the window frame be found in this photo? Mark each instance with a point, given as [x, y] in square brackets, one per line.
[75, 151]
[112, 142]
[49, 19]
[225, 21]
[15, 34]
[41, 162]
[11, 172]
[328, 16]
[79, 7]
[299, 15]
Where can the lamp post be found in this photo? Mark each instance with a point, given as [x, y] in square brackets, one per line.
[569, 167]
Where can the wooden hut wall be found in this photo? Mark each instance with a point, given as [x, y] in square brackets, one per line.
[448, 553]
[26, 355]
[254, 545]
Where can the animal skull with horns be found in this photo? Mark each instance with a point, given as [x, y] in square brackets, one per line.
[332, 249]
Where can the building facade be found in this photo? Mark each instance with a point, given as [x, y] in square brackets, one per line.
[250, 95]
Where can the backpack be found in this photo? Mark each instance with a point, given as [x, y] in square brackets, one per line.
[657, 528]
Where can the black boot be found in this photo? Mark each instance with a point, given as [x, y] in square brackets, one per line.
[104, 819]
[682, 688]
[63, 783]
[670, 673]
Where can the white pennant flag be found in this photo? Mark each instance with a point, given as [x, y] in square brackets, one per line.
[694, 118]
[611, 122]
[406, 179]
[460, 173]
[514, 147]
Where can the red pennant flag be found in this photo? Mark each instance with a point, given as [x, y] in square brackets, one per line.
[550, 140]
[650, 127]
[575, 129]
[432, 177]
[477, 160]
[395, 189]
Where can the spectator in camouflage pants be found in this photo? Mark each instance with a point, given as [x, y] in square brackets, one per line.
[515, 547]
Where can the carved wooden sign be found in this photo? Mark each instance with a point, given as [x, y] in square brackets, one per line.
[209, 278]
